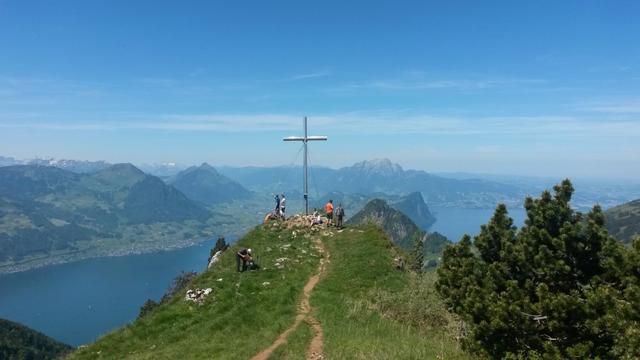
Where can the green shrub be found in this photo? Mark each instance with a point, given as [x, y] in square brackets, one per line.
[560, 287]
[147, 307]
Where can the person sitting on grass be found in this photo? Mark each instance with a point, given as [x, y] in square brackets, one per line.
[244, 256]
[316, 219]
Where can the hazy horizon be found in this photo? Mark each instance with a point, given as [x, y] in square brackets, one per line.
[543, 89]
[452, 174]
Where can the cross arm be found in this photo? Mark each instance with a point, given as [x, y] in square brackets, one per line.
[309, 138]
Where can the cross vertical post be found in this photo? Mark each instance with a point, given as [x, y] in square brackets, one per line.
[305, 139]
[306, 183]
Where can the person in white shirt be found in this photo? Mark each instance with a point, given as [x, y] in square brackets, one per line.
[282, 205]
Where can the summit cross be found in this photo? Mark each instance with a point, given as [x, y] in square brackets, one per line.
[305, 139]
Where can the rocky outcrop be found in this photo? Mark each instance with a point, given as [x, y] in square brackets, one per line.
[214, 259]
[197, 295]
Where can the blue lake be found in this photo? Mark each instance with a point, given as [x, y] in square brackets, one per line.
[78, 302]
[454, 223]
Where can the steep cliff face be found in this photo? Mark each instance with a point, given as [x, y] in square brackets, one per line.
[396, 224]
[414, 206]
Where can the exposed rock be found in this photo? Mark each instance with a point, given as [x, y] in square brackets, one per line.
[214, 259]
[197, 295]
[302, 221]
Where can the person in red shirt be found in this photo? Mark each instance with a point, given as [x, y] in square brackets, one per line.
[329, 210]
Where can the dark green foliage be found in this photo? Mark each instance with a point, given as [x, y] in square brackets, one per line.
[560, 287]
[147, 307]
[19, 342]
[418, 253]
[221, 245]
[623, 222]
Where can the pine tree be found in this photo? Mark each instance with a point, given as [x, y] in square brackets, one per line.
[221, 245]
[560, 287]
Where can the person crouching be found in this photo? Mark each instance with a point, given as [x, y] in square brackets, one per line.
[243, 256]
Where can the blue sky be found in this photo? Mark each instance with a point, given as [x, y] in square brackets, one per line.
[543, 88]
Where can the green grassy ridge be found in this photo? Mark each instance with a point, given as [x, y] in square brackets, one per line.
[297, 344]
[238, 322]
[240, 317]
[361, 265]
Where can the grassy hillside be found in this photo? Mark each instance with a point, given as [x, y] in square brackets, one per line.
[50, 215]
[365, 307]
[370, 310]
[623, 222]
[20, 342]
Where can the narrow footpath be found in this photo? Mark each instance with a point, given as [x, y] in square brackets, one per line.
[303, 313]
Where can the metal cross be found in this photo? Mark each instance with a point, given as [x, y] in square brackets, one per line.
[305, 139]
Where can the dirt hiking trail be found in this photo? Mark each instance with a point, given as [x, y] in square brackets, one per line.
[303, 313]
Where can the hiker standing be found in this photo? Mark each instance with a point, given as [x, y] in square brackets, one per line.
[277, 204]
[339, 216]
[244, 256]
[282, 205]
[328, 208]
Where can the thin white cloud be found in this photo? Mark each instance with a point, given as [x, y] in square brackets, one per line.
[384, 123]
[311, 75]
[620, 107]
[418, 83]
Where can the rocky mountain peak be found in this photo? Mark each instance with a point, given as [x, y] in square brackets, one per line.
[379, 166]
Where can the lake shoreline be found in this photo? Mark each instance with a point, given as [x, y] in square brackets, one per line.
[80, 255]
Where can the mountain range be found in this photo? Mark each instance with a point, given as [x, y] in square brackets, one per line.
[623, 221]
[206, 185]
[47, 212]
[401, 229]
[460, 190]
[378, 176]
